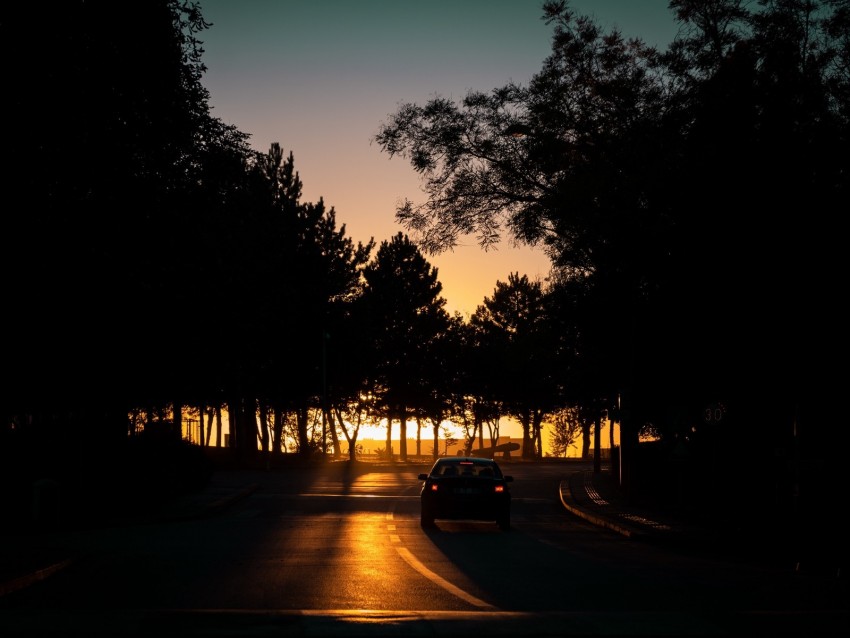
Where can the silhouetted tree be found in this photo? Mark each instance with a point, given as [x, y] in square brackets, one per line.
[565, 430]
[653, 180]
[100, 267]
[481, 396]
[443, 374]
[517, 327]
[764, 98]
[542, 162]
[407, 316]
[306, 273]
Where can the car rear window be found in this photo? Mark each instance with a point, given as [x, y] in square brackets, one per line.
[467, 468]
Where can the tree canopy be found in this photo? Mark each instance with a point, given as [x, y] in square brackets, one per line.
[687, 199]
[687, 195]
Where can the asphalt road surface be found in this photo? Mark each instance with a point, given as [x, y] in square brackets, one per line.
[330, 553]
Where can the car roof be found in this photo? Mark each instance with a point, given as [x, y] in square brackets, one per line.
[477, 460]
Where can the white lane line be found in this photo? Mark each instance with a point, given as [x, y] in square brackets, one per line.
[439, 580]
[416, 564]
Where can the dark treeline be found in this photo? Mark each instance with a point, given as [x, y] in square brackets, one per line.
[689, 200]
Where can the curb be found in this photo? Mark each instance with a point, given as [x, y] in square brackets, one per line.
[564, 489]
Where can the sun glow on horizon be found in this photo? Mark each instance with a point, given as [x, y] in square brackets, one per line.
[372, 438]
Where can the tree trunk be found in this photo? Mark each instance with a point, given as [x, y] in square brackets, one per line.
[233, 412]
[336, 418]
[527, 442]
[418, 436]
[209, 428]
[264, 428]
[331, 428]
[597, 446]
[243, 422]
[277, 431]
[436, 451]
[585, 439]
[402, 438]
[177, 421]
[301, 417]
[218, 429]
[536, 426]
[389, 450]
[252, 426]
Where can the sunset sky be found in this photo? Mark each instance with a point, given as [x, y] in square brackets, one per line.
[320, 76]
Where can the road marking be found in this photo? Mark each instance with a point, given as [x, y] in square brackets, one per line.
[411, 560]
[416, 564]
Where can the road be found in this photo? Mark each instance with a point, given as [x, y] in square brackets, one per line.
[330, 553]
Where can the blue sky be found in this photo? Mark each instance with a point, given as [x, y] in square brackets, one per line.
[319, 76]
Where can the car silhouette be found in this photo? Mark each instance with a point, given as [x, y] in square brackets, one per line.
[465, 488]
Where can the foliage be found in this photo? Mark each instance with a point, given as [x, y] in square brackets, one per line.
[654, 180]
[406, 314]
[99, 265]
[513, 328]
[565, 429]
[686, 198]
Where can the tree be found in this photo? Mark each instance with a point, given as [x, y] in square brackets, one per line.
[588, 334]
[443, 374]
[517, 328]
[541, 163]
[479, 396]
[306, 274]
[599, 159]
[350, 415]
[775, 98]
[566, 427]
[100, 266]
[407, 316]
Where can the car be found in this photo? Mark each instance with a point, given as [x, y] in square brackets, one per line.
[465, 488]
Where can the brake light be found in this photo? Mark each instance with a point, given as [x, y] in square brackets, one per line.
[434, 487]
[500, 488]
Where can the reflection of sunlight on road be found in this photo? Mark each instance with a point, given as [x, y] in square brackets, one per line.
[364, 577]
[369, 485]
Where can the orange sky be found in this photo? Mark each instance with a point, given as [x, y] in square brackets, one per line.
[375, 437]
[320, 77]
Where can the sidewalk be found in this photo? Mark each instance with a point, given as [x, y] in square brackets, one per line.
[806, 543]
[596, 498]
